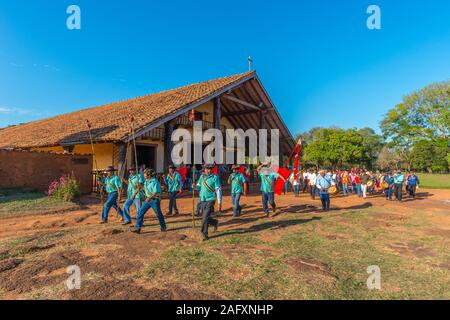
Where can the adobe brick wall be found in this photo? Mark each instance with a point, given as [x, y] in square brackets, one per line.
[36, 170]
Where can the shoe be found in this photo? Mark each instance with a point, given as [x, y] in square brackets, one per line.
[126, 223]
[205, 238]
[164, 229]
[177, 213]
[104, 222]
[137, 231]
[169, 215]
[216, 226]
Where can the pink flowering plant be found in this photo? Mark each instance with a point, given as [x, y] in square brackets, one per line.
[65, 188]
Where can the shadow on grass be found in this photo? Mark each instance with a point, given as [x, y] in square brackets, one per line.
[265, 226]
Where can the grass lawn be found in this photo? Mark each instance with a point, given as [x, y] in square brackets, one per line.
[323, 258]
[434, 181]
[20, 202]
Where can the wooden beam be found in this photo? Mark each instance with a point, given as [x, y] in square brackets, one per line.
[168, 144]
[242, 102]
[217, 113]
[236, 114]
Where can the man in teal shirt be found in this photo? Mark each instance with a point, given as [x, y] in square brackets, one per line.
[134, 194]
[399, 178]
[174, 187]
[268, 180]
[238, 185]
[113, 187]
[209, 185]
[152, 196]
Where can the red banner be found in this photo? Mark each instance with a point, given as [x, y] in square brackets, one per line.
[183, 173]
[279, 186]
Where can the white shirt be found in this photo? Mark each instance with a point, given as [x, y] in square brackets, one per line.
[312, 179]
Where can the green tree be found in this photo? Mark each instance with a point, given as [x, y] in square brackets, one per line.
[424, 114]
[430, 155]
[336, 147]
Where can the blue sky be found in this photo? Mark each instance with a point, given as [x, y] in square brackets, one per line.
[317, 59]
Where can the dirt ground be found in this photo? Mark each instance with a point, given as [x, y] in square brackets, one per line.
[36, 250]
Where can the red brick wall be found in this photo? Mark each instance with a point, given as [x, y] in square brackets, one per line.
[36, 170]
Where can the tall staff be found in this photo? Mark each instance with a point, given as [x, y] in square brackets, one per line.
[94, 156]
[134, 143]
[135, 153]
[193, 197]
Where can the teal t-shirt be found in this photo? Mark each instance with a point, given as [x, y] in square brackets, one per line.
[268, 181]
[208, 186]
[237, 183]
[113, 184]
[152, 187]
[174, 182]
[133, 183]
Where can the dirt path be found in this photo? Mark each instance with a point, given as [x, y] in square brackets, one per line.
[430, 200]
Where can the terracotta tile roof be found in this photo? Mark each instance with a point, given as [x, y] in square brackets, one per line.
[110, 122]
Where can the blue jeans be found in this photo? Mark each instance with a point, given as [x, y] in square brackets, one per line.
[155, 205]
[359, 190]
[111, 202]
[388, 193]
[235, 198]
[296, 190]
[325, 198]
[127, 206]
[173, 202]
[268, 197]
[345, 188]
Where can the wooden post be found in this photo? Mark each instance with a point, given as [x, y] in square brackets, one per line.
[217, 113]
[168, 144]
[262, 119]
[122, 161]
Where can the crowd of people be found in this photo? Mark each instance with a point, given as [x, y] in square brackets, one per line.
[356, 181]
[145, 187]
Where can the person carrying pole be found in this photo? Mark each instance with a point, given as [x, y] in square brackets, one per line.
[113, 187]
[134, 194]
[152, 194]
[208, 184]
[174, 188]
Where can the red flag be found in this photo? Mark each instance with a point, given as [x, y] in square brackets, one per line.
[183, 173]
[279, 185]
[215, 170]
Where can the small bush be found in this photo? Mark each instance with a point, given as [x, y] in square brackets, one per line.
[65, 188]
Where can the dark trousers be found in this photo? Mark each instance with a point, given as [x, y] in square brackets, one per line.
[399, 191]
[207, 219]
[313, 191]
[411, 190]
[268, 197]
[325, 199]
[388, 193]
[173, 202]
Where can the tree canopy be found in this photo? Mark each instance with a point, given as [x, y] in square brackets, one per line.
[422, 114]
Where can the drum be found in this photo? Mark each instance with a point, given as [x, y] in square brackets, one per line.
[370, 183]
[332, 190]
[385, 185]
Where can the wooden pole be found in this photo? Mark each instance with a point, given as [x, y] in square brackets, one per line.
[95, 161]
[193, 198]
[134, 143]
